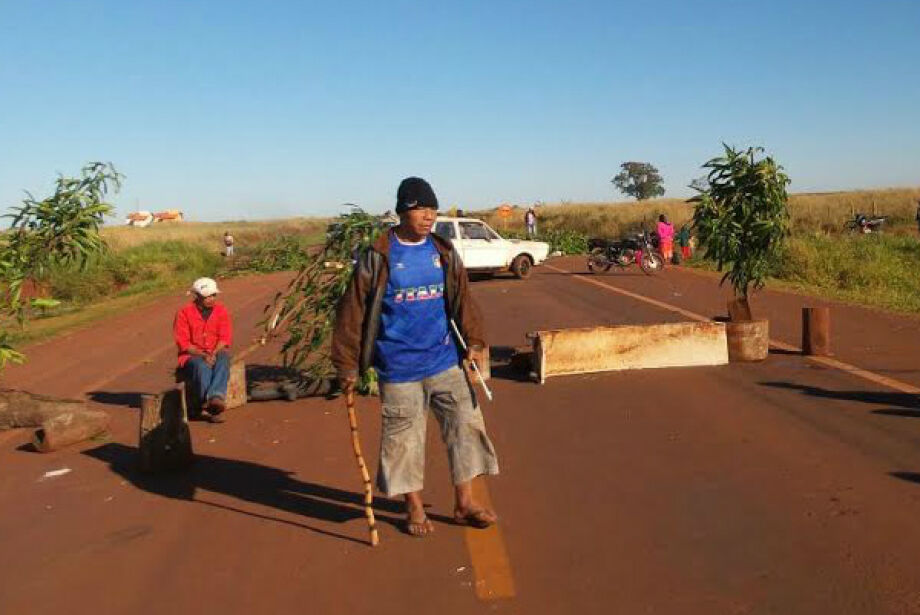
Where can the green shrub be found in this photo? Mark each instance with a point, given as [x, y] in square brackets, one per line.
[145, 267]
[879, 270]
[560, 240]
[282, 253]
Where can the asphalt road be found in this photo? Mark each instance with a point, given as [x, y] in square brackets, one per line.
[780, 487]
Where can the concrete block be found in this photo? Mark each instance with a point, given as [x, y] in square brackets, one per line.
[601, 349]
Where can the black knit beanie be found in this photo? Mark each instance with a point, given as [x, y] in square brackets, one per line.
[414, 192]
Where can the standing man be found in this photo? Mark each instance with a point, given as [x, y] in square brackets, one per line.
[395, 317]
[228, 244]
[203, 334]
[918, 215]
[530, 220]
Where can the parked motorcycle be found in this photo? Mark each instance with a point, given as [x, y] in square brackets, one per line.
[604, 254]
[862, 223]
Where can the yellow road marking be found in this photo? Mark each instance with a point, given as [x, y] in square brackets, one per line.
[859, 372]
[491, 566]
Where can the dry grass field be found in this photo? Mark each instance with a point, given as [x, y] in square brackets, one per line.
[810, 212]
[211, 234]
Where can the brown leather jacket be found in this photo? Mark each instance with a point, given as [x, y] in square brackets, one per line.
[357, 319]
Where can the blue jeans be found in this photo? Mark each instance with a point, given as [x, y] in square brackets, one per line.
[205, 381]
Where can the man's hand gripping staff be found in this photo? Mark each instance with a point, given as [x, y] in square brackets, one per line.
[474, 357]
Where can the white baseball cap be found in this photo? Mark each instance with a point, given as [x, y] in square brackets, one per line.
[205, 287]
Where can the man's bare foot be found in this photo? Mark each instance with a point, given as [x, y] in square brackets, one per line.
[417, 522]
[475, 516]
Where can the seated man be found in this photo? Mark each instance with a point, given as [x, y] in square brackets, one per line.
[203, 334]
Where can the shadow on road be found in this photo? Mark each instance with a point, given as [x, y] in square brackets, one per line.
[784, 352]
[271, 373]
[903, 400]
[616, 274]
[510, 363]
[911, 477]
[130, 400]
[911, 414]
[255, 483]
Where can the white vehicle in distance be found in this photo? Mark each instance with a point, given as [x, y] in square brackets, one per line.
[485, 251]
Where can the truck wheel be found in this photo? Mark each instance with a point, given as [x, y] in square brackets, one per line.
[521, 266]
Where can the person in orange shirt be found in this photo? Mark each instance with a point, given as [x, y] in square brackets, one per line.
[203, 334]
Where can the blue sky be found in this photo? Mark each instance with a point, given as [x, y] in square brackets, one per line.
[232, 110]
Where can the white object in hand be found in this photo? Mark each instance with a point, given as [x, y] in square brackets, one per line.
[485, 387]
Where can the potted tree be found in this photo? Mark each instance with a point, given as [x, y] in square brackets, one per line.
[742, 221]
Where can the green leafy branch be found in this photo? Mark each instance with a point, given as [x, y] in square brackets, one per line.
[304, 313]
[61, 231]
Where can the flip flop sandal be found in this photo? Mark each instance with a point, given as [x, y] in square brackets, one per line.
[480, 518]
[420, 529]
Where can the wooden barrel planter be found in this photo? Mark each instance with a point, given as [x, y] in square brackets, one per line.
[748, 340]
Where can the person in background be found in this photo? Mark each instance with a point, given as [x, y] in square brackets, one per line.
[666, 237]
[228, 244]
[530, 220]
[918, 215]
[683, 240]
[203, 333]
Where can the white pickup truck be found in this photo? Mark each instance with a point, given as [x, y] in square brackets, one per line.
[485, 251]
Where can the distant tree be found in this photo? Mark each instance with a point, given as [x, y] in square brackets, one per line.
[640, 180]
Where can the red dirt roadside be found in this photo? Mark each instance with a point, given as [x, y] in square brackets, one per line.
[781, 487]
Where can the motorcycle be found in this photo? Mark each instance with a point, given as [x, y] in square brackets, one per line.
[864, 224]
[604, 254]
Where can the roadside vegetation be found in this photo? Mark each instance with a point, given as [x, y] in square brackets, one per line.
[129, 276]
[825, 212]
[819, 258]
[60, 232]
[139, 263]
[210, 234]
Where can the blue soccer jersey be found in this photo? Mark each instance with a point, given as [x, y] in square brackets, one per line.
[414, 341]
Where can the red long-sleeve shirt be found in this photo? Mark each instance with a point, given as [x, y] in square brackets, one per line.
[190, 329]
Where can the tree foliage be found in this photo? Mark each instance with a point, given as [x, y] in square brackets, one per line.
[61, 230]
[303, 315]
[741, 217]
[640, 180]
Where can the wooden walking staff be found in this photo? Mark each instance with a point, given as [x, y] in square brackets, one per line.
[356, 445]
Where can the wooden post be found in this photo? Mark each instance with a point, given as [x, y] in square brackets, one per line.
[164, 439]
[236, 387]
[816, 331]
